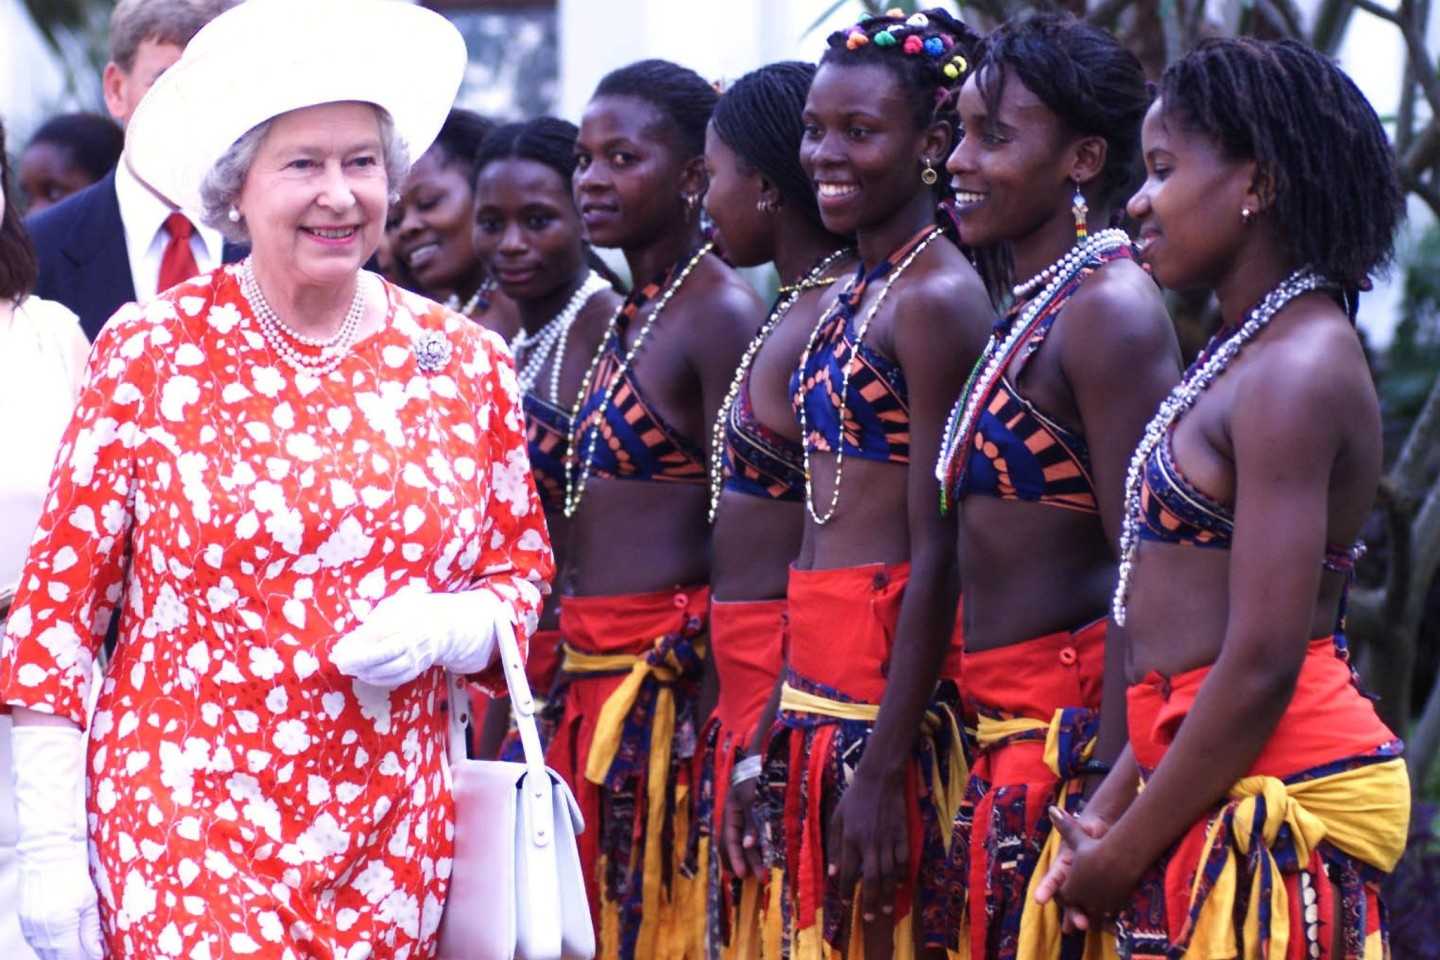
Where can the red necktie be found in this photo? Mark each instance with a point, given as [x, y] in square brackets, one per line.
[177, 263]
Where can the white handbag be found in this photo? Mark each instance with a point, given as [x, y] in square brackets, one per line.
[516, 888]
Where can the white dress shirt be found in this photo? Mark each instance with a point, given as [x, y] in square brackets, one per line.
[143, 214]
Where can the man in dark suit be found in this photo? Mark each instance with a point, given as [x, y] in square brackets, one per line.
[117, 241]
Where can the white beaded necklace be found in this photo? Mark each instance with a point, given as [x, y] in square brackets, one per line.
[556, 331]
[815, 278]
[279, 335]
[575, 486]
[1184, 396]
[845, 383]
[998, 353]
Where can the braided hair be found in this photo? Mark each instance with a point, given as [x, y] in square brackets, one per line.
[1082, 75]
[758, 117]
[930, 53]
[1320, 152]
[680, 94]
[460, 137]
[549, 141]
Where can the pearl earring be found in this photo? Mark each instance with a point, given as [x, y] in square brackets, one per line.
[233, 215]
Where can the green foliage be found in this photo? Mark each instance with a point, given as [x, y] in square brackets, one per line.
[1414, 356]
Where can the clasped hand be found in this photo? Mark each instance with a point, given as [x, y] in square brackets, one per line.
[411, 631]
[1083, 877]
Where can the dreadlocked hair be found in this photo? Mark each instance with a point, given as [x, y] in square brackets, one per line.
[680, 94]
[758, 117]
[1082, 75]
[1321, 155]
[931, 53]
[460, 136]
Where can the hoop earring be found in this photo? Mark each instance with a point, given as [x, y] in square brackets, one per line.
[1081, 210]
[767, 205]
[928, 176]
[233, 215]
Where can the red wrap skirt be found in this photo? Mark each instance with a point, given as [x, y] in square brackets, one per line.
[631, 765]
[1027, 696]
[1332, 760]
[842, 627]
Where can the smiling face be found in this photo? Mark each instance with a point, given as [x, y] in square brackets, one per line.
[1189, 205]
[861, 146]
[746, 234]
[1011, 169]
[630, 177]
[314, 196]
[433, 225]
[527, 230]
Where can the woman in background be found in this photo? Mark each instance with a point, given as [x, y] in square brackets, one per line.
[430, 228]
[633, 611]
[1036, 450]
[764, 210]
[864, 762]
[529, 236]
[1274, 798]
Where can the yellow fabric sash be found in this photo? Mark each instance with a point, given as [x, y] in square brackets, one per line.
[937, 718]
[1041, 924]
[1364, 812]
[657, 917]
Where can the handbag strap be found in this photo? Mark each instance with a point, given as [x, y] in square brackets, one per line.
[537, 786]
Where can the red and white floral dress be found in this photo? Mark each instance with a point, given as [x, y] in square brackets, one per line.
[245, 798]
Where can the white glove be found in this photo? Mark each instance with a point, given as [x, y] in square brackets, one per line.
[59, 913]
[411, 631]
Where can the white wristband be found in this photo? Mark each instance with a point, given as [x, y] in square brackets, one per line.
[746, 769]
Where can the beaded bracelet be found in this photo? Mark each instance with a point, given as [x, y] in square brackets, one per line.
[1094, 768]
[746, 769]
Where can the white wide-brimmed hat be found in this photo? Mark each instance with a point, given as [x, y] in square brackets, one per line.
[263, 58]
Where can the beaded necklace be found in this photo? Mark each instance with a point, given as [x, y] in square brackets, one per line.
[478, 303]
[784, 300]
[556, 331]
[844, 308]
[670, 282]
[1217, 356]
[279, 335]
[1008, 336]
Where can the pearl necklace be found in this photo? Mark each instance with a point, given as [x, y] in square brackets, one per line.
[575, 486]
[537, 348]
[786, 299]
[845, 383]
[279, 335]
[1196, 381]
[997, 355]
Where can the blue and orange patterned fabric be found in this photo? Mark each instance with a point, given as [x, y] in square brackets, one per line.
[759, 462]
[1174, 510]
[547, 438]
[1019, 453]
[634, 442]
[875, 421]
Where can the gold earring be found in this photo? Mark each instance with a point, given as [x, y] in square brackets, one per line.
[928, 176]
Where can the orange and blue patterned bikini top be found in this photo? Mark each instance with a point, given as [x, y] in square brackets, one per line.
[1174, 510]
[759, 462]
[547, 435]
[1019, 453]
[635, 442]
[875, 421]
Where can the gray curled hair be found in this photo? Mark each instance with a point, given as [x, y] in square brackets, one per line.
[221, 188]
